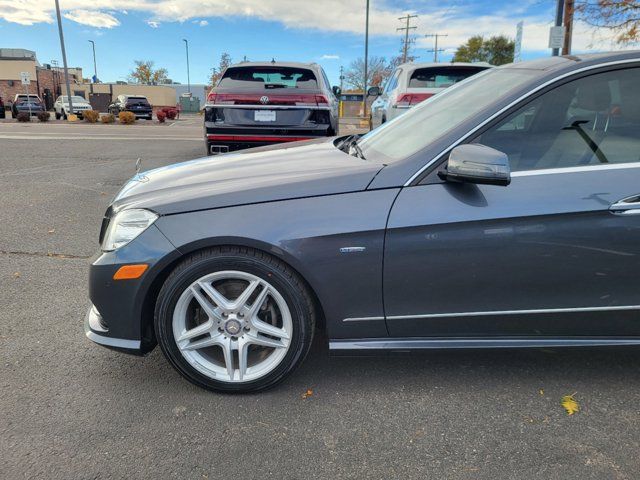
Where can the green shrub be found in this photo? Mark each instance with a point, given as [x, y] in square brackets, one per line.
[91, 116]
[44, 116]
[126, 118]
[23, 117]
[108, 118]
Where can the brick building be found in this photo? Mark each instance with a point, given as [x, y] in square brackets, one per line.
[46, 81]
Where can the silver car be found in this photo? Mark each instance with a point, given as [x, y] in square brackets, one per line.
[411, 83]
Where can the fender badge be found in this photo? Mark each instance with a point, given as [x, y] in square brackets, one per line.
[352, 249]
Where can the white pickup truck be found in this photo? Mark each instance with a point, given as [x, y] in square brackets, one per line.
[61, 107]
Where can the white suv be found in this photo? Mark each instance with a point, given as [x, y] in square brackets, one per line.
[61, 107]
[411, 83]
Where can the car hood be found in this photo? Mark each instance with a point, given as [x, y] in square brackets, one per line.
[295, 170]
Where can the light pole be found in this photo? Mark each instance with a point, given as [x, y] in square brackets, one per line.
[366, 61]
[64, 57]
[95, 68]
[186, 44]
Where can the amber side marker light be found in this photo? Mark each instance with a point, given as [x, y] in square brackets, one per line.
[130, 272]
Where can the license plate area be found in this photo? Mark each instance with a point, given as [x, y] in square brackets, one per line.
[264, 116]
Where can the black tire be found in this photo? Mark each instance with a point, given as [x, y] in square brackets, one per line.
[208, 146]
[57, 116]
[64, 115]
[288, 283]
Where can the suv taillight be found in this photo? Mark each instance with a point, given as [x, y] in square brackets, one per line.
[406, 100]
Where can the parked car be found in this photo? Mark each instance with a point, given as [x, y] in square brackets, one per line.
[137, 104]
[61, 106]
[501, 214]
[412, 83]
[27, 103]
[2, 109]
[262, 103]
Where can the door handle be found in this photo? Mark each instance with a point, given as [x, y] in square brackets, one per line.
[627, 206]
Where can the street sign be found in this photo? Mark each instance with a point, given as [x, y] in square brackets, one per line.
[556, 37]
[25, 77]
[518, 47]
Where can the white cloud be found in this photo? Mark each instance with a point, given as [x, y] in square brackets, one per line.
[203, 23]
[93, 18]
[153, 24]
[330, 57]
[28, 12]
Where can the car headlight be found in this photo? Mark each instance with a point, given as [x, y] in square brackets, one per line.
[125, 226]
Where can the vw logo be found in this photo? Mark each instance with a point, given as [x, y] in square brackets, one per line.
[264, 100]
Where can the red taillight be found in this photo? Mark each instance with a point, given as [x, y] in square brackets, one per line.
[266, 99]
[411, 99]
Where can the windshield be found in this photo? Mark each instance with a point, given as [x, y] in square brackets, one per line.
[425, 123]
[268, 78]
[73, 99]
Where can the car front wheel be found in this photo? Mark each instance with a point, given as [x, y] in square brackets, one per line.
[234, 319]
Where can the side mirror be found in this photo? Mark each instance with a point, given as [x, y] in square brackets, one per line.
[476, 163]
[373, 92]
[336, 90]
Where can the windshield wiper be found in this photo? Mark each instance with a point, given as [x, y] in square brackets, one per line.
[350, 145]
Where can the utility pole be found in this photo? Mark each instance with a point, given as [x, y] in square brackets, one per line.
[341, 77]
[366, 62]
[64, 57]
[186, 44]
[569, 7]
[435, 50]
[405, 29]
[559, 14]
[95, 68]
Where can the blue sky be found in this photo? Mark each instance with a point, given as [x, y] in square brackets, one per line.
[330, 32]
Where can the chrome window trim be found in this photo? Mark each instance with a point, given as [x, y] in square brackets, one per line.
[585, 168]
[514, 103]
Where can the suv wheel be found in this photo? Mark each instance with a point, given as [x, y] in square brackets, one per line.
[234, 319]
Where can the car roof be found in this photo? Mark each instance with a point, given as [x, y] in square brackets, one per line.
[276, 64]
[574, 62]
[416, 65]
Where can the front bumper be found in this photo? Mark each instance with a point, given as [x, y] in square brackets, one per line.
[121, 314]
[95, 331]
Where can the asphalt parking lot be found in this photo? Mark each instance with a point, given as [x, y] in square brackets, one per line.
[70, 409]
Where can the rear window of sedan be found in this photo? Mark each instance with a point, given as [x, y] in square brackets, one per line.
[441, 77]
[137, 99]
[268, 78]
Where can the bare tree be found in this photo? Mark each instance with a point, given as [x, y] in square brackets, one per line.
[620, 16]
[216, 73]
[146, 74]
[377, 71]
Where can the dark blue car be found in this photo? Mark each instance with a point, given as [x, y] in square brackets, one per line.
[503, 212]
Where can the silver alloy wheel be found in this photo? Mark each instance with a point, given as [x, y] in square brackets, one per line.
[232, 326]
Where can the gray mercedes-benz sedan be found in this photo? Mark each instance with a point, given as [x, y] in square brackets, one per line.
[504, 212]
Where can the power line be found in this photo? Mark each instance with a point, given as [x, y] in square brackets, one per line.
[405, 46]
[435, 48]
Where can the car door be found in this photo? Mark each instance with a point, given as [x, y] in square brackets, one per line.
[556, 253]
[388, 96]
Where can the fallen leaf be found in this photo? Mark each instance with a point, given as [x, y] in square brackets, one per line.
[541, 391]
[307, 394]
[16, 274]
[570, 404]
[53, 230]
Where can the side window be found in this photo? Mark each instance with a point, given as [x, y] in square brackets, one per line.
[590, 121]
[393, 81]
[326, 80]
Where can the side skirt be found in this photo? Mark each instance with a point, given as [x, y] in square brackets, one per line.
[409, 344]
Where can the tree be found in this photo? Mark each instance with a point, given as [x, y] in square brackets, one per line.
[620, 16]
[216, 73]
[145, 73]
[496, 50]
[377, 71]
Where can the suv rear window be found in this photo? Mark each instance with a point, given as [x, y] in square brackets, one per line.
[441, 77]
[268, 78]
